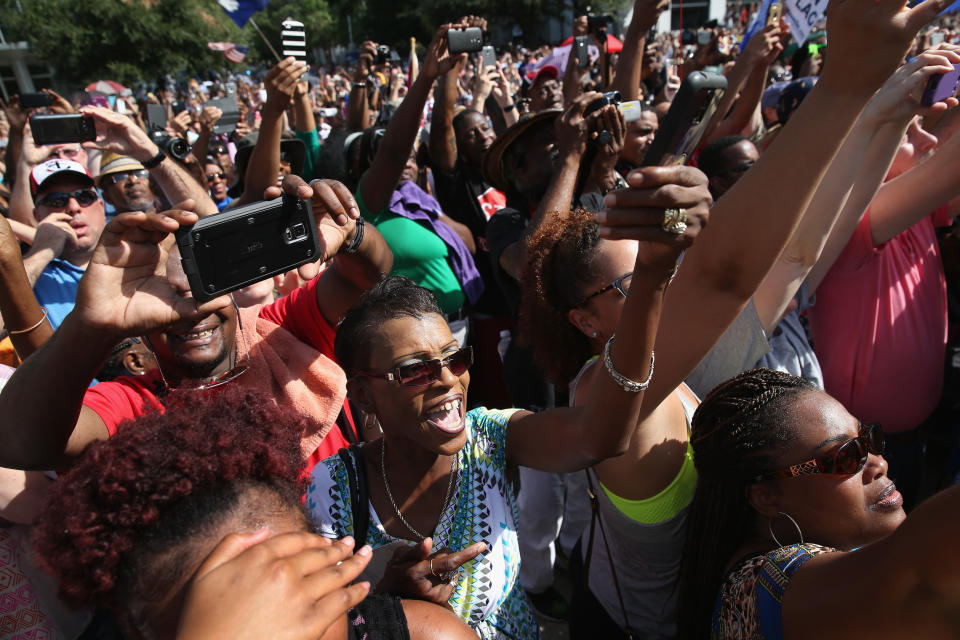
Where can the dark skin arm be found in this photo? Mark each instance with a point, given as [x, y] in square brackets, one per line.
[381, 178]
[18, 305]
[627, 78]
[443, 140]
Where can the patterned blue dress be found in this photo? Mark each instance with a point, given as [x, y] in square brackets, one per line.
[488, 596]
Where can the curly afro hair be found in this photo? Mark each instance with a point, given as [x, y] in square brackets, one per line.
[560, 267]
[162, 481]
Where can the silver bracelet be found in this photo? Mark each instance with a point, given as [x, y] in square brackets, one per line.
[625, 383]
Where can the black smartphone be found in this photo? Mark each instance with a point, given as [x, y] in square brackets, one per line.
[686, 121]
[156, 118]
[35, 100]
[62, 127]
[469, 40]
[488, 57]
[598, 23]
[294, 39]
[581, 49]
[236, 248]
[231, 114]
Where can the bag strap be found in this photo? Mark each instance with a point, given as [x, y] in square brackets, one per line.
[594, 519]
[359, 493]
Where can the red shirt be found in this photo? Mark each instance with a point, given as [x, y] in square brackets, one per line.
[128, 397]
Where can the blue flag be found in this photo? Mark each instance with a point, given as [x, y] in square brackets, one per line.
[241, 10]
[759, 22]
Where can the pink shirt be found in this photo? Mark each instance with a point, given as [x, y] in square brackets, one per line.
[880, 325]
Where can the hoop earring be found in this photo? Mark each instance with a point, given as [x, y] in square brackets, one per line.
[774, 536]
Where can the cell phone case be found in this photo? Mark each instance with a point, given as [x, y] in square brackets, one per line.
[683, 127]
[941, 87]
[35, 100]
[469, 40]
[234, 249]
[488, 57]
[62, 127]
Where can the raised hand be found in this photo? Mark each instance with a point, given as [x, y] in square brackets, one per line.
[766, 44]
[59, 104]
[413, 572]
[120, 134]
[281, 82]
[30, 153]
[896, 101]
[334, 209]
[640, 212]
[290, 587]
[573, 129]
[55, 234]
[209, 117]
[438, 60]
[124, 291]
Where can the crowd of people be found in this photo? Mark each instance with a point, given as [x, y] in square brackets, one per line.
[715, 389]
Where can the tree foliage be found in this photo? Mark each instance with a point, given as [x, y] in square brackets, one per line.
[318, 22]
[122, 40]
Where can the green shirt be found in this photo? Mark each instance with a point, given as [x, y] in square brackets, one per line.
[311, 141]
[419, 254]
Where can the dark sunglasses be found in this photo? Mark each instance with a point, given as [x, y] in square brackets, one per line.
[123, 176]
[215, 176]
[424, 372]
[59, 199]
[847, 460]
[621, 284]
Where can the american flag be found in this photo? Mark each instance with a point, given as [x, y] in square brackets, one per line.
[232, 52]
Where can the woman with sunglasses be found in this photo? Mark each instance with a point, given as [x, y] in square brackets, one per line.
[438, 479]
[797, 531]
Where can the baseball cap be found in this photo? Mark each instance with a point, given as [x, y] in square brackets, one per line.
[44, 171]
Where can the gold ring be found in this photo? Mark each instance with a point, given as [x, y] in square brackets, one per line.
[674, 221]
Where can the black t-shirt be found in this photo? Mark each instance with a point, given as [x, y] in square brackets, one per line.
[467, 198]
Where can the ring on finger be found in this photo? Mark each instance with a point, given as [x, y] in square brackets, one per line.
[674, 221]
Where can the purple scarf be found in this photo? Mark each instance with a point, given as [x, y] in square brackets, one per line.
[413, 203]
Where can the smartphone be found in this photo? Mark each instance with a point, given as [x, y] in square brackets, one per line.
[488, 57]
[121, 107]
[231, 114]
[60, 128]
[773, 13]
[581, 49]
[35, 100]
[941, 87]
[631, 110]
[294, 40]
[704, 37]
[598, 23]
[686, 121]
[936, 39]
[239, 247]
[611, 97]
[156, 117]
[469, 40]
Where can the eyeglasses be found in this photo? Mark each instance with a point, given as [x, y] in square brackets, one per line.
[424, 372]
[123, 176]
[621, 284]
[215, 176]
[60, 199]
[847, 460]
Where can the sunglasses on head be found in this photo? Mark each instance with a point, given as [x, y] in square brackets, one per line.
[423, 372]
[848, 459]
[59, 199]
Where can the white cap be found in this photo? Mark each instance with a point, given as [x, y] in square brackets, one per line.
[46, 170]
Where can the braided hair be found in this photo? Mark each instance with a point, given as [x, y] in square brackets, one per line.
[738, 432]
[561, 265]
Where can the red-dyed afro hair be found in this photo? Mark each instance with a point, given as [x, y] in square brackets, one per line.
[129, 493]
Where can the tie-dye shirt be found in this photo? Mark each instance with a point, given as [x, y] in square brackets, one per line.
[484, 509]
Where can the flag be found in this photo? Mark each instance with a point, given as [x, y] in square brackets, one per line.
[759, 22]
[232, 52]
[241, 10]
[800, 15]
[414, 69]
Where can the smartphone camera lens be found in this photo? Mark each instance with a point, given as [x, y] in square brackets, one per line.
[294, 233]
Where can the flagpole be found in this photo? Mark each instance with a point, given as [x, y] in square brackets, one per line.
[267, 42]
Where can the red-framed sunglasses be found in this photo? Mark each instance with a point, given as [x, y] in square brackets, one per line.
[424, 372]
[847, 460]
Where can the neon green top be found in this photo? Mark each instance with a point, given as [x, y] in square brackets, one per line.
[665, 504]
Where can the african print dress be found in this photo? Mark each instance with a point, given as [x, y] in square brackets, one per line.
[749, 606]
[488, 596]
